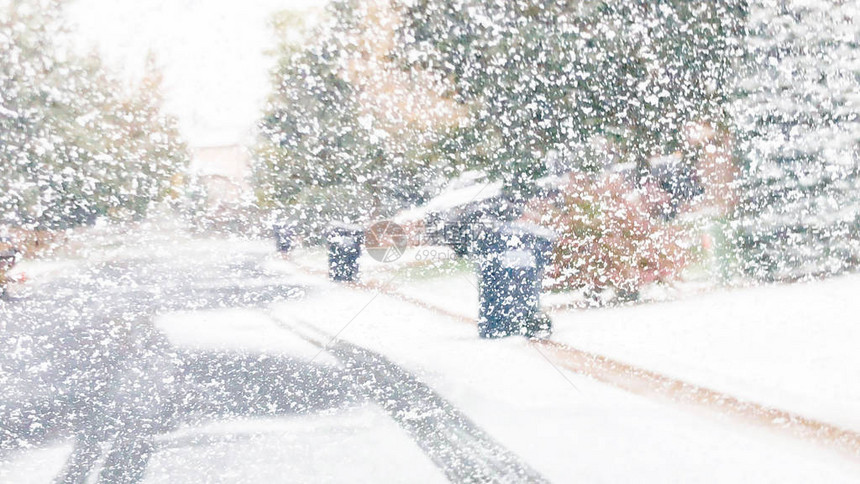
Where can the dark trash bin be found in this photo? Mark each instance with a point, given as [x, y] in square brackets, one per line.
[344, 247]
[284, 236]
[7, 260]
[512, 258]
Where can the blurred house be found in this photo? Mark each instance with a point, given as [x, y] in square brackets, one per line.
[223, 171]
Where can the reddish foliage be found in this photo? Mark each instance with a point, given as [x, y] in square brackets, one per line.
[610, 235]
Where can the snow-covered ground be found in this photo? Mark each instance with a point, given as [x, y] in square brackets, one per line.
[354, 445]
[566, 425]
[788, 346]
[783, 346]
[791, 346]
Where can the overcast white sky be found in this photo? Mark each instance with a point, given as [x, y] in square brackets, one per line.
[211, 52]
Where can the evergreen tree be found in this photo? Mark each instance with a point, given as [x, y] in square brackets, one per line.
[542, 76]
[73, 144]
[333, 146]
[798, 117]
[311, 140]
[518, 80]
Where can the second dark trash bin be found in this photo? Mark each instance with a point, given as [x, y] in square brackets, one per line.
[284, 236]
[511, 261]
[344, 248]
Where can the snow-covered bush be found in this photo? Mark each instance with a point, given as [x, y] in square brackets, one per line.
[611, 235]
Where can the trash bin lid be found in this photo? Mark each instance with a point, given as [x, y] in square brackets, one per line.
[495, 237]
[283, 231]
[342, 239]
[527, 230]
[288, 225]
[343, 227]
[338, 230]
[518, 259]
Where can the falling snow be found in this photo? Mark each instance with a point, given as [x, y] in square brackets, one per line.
[466, 241]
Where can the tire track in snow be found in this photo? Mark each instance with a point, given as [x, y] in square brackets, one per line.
[464, 452]
[652, 384]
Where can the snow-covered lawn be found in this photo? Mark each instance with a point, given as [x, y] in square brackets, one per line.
[792, 346]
